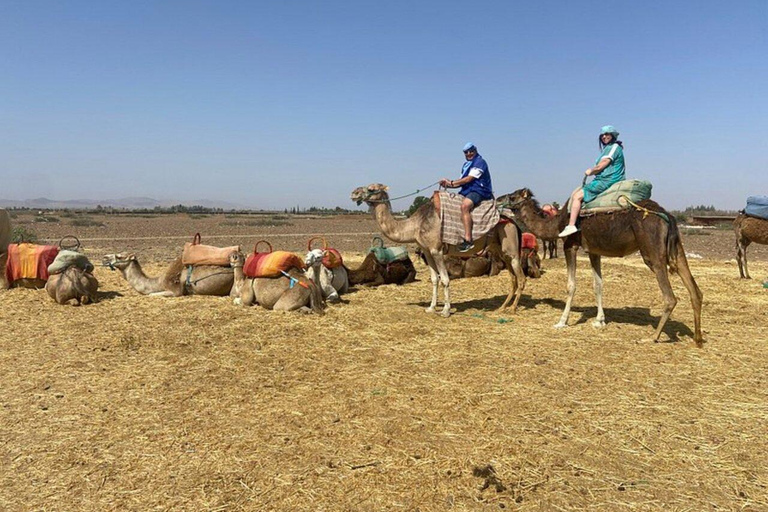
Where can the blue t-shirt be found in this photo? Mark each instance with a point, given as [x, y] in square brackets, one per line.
[478, 168]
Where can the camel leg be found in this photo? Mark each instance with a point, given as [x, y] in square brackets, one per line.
[693, 290]
[165, 293]
[741, 256]
[434, 277]
[597, 275]
[662, 276]
[570, 260]
[247, 295]
[510, 253]
[294, 299]
[446, 280]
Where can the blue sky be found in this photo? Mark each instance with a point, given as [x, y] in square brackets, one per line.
[276, 104]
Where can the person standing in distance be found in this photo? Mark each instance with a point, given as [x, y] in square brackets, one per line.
[475, 183]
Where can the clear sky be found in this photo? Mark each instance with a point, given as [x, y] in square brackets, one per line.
[283, 103]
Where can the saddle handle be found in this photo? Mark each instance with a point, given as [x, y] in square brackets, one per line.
[197, 239]
[256, 246]
[381, 241]
[71, 247]
[309, 243]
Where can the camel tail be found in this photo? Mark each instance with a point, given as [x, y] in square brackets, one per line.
[673, 243]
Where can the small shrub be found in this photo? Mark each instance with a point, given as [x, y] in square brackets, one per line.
[68, 215]
[198, 216]
[257, 222]
[21, 234]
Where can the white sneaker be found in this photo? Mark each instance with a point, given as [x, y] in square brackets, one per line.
[568, 231]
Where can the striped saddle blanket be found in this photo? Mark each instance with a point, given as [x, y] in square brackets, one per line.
[29, 261]
[271, 264]
[485, 216]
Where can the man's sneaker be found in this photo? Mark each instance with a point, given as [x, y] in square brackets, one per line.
[465, 246]
[568, 231]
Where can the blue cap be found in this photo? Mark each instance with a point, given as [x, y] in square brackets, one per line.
[609, 129]
[468, 146]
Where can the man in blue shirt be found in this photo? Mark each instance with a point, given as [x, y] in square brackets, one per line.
[475, 183]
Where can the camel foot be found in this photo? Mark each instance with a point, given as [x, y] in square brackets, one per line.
[598, 323]
[333, 299]
[560, 325]
[445, 313]
[238, 301]
[430, 309]
[304, 309]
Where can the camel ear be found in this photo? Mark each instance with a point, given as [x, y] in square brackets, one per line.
[526, 193]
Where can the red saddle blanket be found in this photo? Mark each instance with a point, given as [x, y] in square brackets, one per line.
[271, 264]
[29, 261]
[529, 241]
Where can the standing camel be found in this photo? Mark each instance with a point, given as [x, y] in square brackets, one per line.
[423, 228]
[177, 281]
[748, 229]
[617, 234]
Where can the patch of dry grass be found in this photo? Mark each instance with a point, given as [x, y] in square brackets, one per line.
[193, 403]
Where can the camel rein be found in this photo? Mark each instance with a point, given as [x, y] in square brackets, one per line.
[370, 193]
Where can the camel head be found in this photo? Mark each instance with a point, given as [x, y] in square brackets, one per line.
[516, 199]
[314, 257]
[118, 261]
[373, 193]
[236, 259]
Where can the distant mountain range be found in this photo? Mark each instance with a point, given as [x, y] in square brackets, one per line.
[129, 203]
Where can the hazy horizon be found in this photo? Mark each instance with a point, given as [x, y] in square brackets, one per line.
[285, 104]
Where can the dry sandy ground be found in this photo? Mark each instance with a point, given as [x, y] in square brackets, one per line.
[193, 403]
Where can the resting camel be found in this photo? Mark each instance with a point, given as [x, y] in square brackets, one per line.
[294, 293]
[332, 281]
[748, 229]
[475, 266]
[5, 239]
[373, 273]
[204, 280]
[73, 284]
[423, 228]
[617, 234]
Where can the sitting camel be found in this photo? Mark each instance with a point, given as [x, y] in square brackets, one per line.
[474, 266]
[294, 292]
[423, 228]
[73, 284]
[177, 280]
[332, 281]
[748, 229]
[371, 272]
[649, 229]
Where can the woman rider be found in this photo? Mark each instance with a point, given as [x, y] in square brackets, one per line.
[609, 169]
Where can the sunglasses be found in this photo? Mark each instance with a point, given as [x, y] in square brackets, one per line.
[469, 151]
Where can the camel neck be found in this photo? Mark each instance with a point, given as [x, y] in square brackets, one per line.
[401, 231]
[538, 222]
[140, 282]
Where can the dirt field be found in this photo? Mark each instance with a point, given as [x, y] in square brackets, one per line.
[193, 403]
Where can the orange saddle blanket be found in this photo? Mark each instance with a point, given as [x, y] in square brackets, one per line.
[271, 264]
[29, 261]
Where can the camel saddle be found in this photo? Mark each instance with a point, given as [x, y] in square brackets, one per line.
[196, 253]
[618, 196]
[530, 242]
[270, 264]
[29, 261]
[485, 216]
[68, 258]
[387, 255]
[331, 257]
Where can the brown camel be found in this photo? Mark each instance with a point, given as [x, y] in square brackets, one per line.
[617, 234]
[423, 228]
[5, 239]
[476, 265]
[372, 273]
[204, 279]
[294, 293]
[550, 246]
[748, 229]
[73, 285]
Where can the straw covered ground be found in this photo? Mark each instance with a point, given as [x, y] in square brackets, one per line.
[193, 403]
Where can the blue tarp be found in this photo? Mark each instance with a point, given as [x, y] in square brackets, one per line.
[757, 206]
